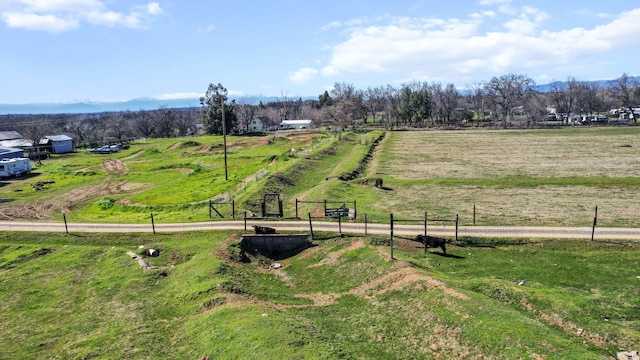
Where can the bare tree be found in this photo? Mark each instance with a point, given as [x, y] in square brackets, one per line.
[445, 100]
[185, 122]
[508, 92]
[623, 91]
[245, 112]
[374, 101]
[391, 96]
[145, 124]
[477, 99]
[35, 132]
[347, 106]
[563, 97]
[82, 127]
[590, 98]
[119, 127]
[165, 126]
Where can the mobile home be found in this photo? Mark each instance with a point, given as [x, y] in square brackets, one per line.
[14, 167]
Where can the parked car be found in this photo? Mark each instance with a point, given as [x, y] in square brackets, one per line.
[106, 149]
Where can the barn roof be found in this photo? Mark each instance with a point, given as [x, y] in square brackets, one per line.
[10, 135]
[58, 137]
[6, 150]
[16, 143]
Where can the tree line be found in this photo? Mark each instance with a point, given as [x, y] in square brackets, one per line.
[501, 102]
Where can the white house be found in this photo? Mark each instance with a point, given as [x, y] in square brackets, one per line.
[296, 124]
[261, 124]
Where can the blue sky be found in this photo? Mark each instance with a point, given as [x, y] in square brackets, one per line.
[113, 50]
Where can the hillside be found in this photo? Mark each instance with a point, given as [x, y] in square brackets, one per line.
[79, 297]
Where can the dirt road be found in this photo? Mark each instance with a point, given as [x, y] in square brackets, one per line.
[344, 227]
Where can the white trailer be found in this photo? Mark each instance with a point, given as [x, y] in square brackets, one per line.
[14, 167]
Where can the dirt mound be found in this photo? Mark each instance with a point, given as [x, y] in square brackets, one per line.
[134, 155]
[306, 139]
[44, 208]
[333, 256]
[116, 166]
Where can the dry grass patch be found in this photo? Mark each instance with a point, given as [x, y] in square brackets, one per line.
[519, 177]
[544, 205]
[500, 154]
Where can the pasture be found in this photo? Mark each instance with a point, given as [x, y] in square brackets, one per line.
[81, 297]
[553, 177]
[539, 177]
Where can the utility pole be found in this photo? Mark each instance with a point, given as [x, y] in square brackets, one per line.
[224, 141]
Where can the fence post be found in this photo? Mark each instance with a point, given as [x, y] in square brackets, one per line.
[245, 220]
[340, 224]
[310, 226]
[474, 214]
[355, 211]
[233, 208]
[595, 221]
[365, 225]
[297, 209]
[66, 229]
[210, 209]
[456, 240]
[425, 223]
[153, 225]
[325, 207]
[391, 227]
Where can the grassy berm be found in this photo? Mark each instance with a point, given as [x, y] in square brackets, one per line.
[81, 296]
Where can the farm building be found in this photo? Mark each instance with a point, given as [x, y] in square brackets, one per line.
[10, 153]
[9, 135]
[57, 144]
[261, 124]
[13, 139]
[295, 124]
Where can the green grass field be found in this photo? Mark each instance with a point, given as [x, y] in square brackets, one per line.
[82, 296]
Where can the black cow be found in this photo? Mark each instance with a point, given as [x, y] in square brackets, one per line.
[263, 229]
[433, 242]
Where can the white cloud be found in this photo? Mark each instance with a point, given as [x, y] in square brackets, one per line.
[48, 23]
[62, 15]
[302, 76]
[447, 49]
[153, 8]
[528, 21]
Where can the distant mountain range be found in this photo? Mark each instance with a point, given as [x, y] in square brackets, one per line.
[85, 106]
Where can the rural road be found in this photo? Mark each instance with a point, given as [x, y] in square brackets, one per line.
[344, 227]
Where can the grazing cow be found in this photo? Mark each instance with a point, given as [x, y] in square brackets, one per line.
[433, 242]
[263, 229]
